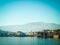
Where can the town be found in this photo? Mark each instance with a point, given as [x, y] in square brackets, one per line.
[41, 33]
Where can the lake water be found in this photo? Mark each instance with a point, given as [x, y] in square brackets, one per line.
[28, 41]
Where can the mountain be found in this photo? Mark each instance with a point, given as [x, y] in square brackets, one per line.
[35, 26]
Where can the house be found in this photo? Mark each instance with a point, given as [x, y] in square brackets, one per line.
[20, 34]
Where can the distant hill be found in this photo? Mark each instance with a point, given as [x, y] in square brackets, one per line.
[35, 26]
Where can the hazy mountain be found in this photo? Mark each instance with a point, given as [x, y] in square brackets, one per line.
[36, 26]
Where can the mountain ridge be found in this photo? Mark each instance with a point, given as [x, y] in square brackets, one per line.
[35, 26]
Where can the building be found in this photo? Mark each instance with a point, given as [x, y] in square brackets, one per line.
[20, 34]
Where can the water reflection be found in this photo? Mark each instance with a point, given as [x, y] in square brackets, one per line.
[28, 41]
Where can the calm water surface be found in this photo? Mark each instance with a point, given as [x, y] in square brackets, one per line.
[28, 41]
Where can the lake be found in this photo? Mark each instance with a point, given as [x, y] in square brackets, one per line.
[28, 41]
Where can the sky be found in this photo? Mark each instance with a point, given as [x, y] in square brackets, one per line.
[20, 12]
